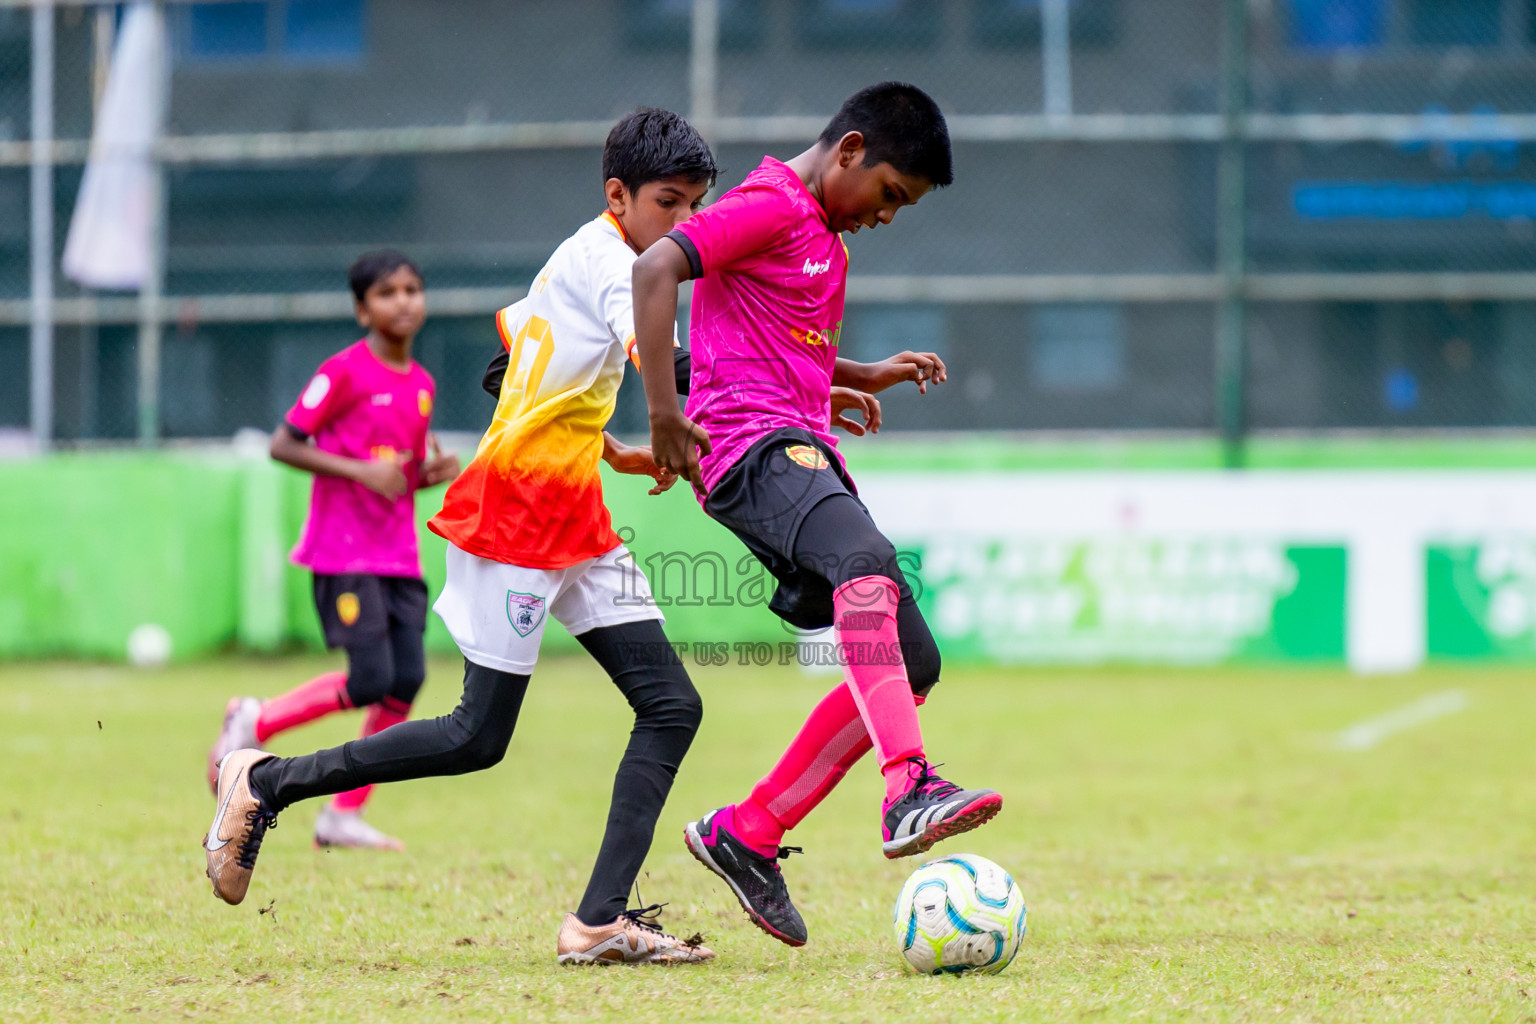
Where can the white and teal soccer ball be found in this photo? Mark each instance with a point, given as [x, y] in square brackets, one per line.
[960, 913]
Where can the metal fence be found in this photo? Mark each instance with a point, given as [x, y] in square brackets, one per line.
[1208, 215]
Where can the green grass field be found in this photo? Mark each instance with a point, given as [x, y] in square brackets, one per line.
[1190, 844]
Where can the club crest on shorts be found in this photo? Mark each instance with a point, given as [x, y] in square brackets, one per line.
[348, 608]
[806, 455]
[524, 611]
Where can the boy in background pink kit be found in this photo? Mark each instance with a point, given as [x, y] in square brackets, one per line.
[755, 441]
[366, 410]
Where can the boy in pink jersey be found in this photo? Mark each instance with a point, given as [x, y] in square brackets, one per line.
[360, 427]
[770, 271]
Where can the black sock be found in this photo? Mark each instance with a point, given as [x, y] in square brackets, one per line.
[473, 737]
[667, 708]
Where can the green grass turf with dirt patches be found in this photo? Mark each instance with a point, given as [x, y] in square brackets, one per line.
[1192, 846]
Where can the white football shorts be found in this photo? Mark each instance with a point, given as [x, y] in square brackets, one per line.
[496, 612]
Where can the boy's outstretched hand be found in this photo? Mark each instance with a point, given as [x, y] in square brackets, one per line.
[439, 468]
[636, 460]
[847, 399]
[677, 444]
[922, 368]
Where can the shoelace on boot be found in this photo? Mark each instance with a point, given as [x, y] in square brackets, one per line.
[645, 917]
[782, 854]
[926, 781]
[260, 820]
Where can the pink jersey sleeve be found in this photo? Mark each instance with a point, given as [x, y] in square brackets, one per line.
[745, 221]
[322, 398]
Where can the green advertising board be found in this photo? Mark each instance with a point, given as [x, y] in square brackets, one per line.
[1093, 600]
[1480, 600]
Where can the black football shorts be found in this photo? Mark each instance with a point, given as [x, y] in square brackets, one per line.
[357, 608]
[765, 497]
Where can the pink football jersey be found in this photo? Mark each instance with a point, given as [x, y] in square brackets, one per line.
[766, 314]
[358, 407]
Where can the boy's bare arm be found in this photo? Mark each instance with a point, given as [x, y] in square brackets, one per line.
[636, 460]
[382, 476]
[922, 368]
[676, 442]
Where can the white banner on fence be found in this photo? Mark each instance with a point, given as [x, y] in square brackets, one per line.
[1382, 521]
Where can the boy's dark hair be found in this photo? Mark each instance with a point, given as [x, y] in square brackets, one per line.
[374, 266]
[653, 145]
[902, 126]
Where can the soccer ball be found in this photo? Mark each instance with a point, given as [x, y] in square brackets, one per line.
[149, 646]
[960, 913]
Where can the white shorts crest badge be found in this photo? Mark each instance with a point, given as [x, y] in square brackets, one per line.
[524, 611]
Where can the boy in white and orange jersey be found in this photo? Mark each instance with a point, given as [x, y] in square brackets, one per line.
[531, 538]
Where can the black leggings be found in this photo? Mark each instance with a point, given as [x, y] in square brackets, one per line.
[840, 542]
[390, 672]
[643, 666]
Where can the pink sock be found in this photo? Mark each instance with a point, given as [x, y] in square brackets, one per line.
[320, 696]
[827, 745]
[830, 742]
[865, 612]
[377, 718]
[755, 826]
